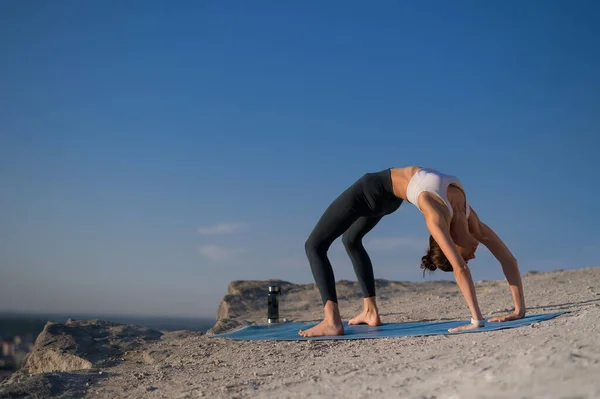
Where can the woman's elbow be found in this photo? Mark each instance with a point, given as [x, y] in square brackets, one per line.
[460, 270]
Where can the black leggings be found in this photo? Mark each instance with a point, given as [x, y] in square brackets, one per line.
[354, 213]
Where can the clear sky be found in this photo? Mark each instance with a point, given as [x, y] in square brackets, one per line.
[153, 151]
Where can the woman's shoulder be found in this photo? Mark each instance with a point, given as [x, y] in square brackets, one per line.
[432, 206]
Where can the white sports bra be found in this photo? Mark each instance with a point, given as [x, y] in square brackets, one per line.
[430, 180]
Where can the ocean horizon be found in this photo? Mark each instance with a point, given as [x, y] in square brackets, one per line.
[20, 323]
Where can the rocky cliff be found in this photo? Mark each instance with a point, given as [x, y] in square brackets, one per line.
[68, 359]
[98, 359]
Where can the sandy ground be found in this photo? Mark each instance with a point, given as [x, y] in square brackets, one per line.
[559, 358]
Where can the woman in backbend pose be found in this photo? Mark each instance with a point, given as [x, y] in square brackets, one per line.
[455, 230]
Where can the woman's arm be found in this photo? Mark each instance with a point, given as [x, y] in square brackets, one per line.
[439, 230]
[509, 263]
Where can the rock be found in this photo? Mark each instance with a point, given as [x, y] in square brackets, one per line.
[225, 325]
[47, 385]
[83, 344]
[243, 294]
[181, 334]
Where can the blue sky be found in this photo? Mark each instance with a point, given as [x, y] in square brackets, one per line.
[151, 152]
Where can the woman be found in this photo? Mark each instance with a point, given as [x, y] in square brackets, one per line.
[455, 230]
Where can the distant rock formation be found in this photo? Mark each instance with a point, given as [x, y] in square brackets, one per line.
[243, 299]
[79, 345]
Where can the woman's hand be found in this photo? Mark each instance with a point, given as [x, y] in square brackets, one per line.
[513, 316]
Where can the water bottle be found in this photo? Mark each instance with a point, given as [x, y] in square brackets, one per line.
[273, 305]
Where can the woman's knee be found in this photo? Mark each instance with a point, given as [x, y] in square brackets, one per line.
[315, 246]
[351, 241]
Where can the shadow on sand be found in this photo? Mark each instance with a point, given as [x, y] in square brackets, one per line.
[562, 306]
[568, 305]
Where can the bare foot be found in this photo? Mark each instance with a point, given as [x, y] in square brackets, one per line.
[368, 316]
[324, 328]
[331, 324]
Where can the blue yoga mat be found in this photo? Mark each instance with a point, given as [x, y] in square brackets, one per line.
[289, 331]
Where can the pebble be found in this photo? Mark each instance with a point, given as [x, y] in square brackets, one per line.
[140, 375]
[263, 374]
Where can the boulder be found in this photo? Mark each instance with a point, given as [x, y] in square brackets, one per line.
[84, 344]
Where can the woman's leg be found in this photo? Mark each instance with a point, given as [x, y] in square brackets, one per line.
[336, 219]
[363, 268]
[361, 261]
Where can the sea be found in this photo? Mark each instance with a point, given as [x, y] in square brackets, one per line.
[22, 324]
